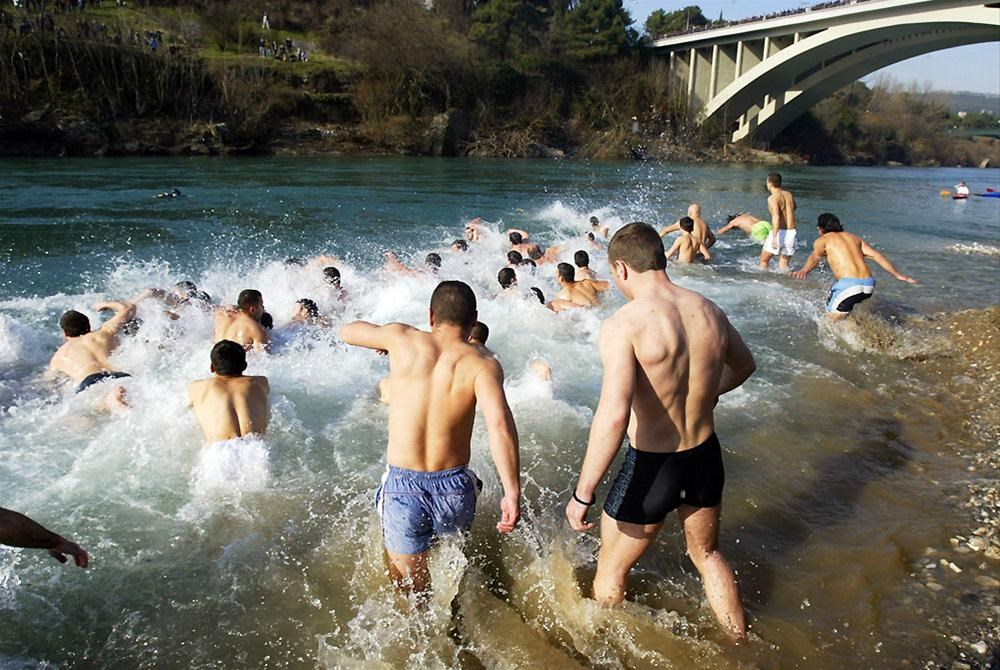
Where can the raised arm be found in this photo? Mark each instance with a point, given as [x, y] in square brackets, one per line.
[124, 312]
[17, 530]
[502, 436]
[610, 420]
[739, 363]
[670, 229]
[884, 263]
[370, 336]
[819, 250]
[525, 235]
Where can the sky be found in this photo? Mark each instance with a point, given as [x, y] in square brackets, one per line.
[970, 68]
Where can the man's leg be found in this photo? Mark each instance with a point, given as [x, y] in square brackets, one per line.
[701, 532]
[408, 572]
[784, 262]
[621, 546]
[765, 259]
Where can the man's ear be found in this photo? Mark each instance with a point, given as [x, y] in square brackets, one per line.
[212, 367]
[431, 317]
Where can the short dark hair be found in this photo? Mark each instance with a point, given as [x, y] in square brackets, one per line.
[295, 260]
[266, 320]
[639, 246]
[480, 332]
[507, 277]
[829, 223]
[538, 294]
[530, 263]
[514, 257]
[461, 244]
[590, 236]
[581, 258]
[186, 287]
[515, 238]
[249, 297]
[331, 275]
[686, 223]
[729, 219]
[566, 272]
[311, 307]
[74, 324]
[774, 179]
[454, 302]
[433, 260]
[229, 358]
[594, 221]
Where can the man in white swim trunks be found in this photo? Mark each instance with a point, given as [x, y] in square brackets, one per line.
[845, 254]
[230, 404]
[781, 241]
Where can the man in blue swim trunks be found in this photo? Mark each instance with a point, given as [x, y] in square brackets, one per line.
[668, 354]
[436, 379]
[845, 254]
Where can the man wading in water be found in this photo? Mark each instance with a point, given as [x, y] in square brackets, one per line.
[668, 355]
[436, 379]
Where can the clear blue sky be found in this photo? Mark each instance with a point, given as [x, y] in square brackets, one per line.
[971, 68]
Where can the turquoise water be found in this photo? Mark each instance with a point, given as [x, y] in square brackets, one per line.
[268, 556]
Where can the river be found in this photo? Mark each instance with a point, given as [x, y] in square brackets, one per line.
[837, 455]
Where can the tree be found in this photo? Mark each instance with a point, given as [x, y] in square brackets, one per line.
[597, 29]
[665, 23]
[507, 27]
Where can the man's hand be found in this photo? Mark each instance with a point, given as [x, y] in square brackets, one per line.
[577, 516]
[798, 274]
[510, 513]
[64, 547]
[908, 280]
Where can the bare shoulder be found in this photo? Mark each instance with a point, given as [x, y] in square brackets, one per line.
[260, 380]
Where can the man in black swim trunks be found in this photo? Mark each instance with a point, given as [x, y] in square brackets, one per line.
[668, 355]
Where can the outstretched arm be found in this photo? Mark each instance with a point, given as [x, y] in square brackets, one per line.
[739, 363]
[884, 263]
[17, 530]
[124, 312]
[819, 250]
[370, 336]
[670, 229]
[610, 420]
[502, 436]
[525, 235]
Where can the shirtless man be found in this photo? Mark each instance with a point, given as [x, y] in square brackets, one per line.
[242, 324]
[781, 242]
[85, 355]
[436, 380]
[230, 404]
[702, 233]
[17, 530]
[597, 229]
[581, 259]
[668, 355]
[584, 292]
[845, 254]
[754, 228]
[520, 244]
[685, 246]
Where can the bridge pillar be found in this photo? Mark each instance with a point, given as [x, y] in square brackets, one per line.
[701, 77]
[726, 66]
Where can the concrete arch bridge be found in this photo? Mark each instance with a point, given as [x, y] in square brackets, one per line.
[757, 77]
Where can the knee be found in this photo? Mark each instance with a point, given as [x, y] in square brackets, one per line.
[701, 555]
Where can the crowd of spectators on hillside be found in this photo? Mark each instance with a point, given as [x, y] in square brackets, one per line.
[765, 17]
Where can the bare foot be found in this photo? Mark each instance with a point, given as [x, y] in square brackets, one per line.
[116, 401]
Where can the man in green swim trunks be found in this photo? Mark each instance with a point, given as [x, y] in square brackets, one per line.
[754, 228]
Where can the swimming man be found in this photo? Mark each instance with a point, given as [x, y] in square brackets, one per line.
[668, 355]
[85, 355]
[845, 254]
[754, 228]
[436, 380]
[585, 292]
[243, 324]
[230, 404]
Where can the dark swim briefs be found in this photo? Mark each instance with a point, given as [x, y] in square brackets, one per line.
[97, 377]
[650, 485]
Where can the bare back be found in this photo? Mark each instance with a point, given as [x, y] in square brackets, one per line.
[84, 355]
[845, 255]
[230, 407]
[238, 327]
[781, 205]
[680, 341]
[432, 382]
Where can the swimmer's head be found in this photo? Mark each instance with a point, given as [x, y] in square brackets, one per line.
[686, 223]
[459, 245]
[250, 301]
[514, 257]
[507, 277]
[594, 222]
[480, 333]
[74, 324]
[529, 263]
[470, 233]
[433, 261]
[185, 289]
[306, 310]
[774, 179]
[828, 223]
[453, 302]
[636, 248]
[295, 261]
[565, 273]
[266, 320]
[581, 258]
[229, 359]
[331, 275]
[694, 209]
[538, 294]
[590, 236]
[515, 238]
[729, 219]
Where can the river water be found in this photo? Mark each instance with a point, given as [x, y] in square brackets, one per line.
[268, 555]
